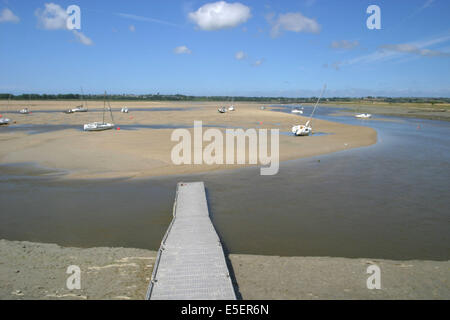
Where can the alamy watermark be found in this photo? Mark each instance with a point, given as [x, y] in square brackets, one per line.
[374, 20]
[74, 280]
[73, 21]
[235, 144]
[374, 281]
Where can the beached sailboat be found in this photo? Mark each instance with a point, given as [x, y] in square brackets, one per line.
[101, 126]
[297, 110]
[231, 108]
[363, 115]
[81, 108]
[306, 129]
[26, 110]
[124, 110]
[222, 110]
[4, 120]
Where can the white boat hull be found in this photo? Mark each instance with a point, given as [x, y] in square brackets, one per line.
[4, 121]
[124, 110]
[363, 116]
[297, 111]
[77, 110]
[98, 126]
[222, 110]
[301, 130]
[24, 111]
[231, 108]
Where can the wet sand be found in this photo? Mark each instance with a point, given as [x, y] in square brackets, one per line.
[38, 271]
[146, 151]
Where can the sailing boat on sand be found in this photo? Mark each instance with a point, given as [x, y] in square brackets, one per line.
[101, 126]
[26, 110]
[3, 120]
[231, 108]
[297, 110]
[81, 108]
[362, 115]
[306, 129]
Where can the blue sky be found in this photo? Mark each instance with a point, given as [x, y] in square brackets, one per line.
[252, 48]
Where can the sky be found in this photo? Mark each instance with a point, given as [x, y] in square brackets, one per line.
[243, 48]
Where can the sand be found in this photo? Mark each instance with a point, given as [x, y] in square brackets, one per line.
[146, 152]
[38, 271]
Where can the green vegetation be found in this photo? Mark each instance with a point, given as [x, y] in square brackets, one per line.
[179, 97]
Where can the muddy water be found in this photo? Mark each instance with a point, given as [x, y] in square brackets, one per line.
[389, 200]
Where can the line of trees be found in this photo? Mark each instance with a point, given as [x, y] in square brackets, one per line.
[180, 97]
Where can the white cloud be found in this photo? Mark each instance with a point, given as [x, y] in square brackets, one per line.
[310, 3]
[335, 65]
[292, 21]
[7, 15]
[53, 17]
[240, 55]
[387, 52]
[427, 4]
[132, 28]
[410, 48]
[220, 15]
[82, 38]
[146, 19]
[259, 62]
[182, 50]
[344, 44]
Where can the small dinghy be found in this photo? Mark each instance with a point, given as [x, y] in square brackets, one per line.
[26, 110]
[124, 110]
[263, 108]
[231, 108]
[101, 126]
[222, 110]
[363, 115]
[297, 110]
[4, 121]
[306, 129]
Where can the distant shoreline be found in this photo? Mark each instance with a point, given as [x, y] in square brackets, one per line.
[419, 109]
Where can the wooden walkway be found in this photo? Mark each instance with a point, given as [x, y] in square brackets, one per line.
[190, 264]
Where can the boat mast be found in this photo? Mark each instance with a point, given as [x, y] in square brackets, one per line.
[7, 106]
[83, 98]
[320, 97]
[110, 111]
[104, 106]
